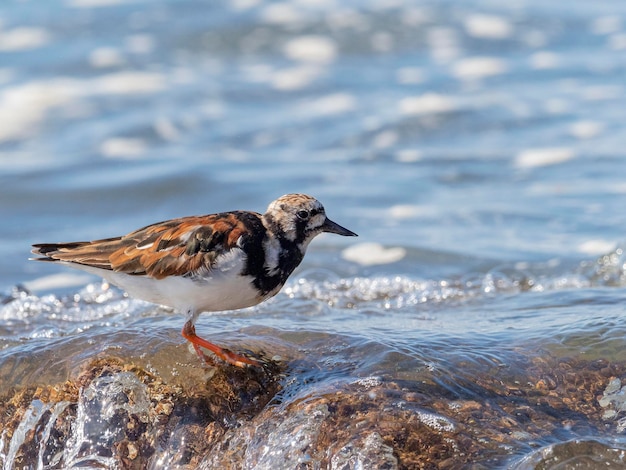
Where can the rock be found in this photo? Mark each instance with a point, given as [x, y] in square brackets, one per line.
[117, 414]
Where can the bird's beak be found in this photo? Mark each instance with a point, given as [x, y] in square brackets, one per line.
[331, 227]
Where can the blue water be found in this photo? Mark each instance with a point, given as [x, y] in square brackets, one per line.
[480, 144]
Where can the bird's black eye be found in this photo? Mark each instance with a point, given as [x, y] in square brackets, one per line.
[303, 215]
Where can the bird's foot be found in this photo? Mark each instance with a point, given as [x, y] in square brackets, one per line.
[189, 333]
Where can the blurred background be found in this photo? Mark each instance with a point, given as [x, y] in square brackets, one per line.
[477, 147]
[473, 127]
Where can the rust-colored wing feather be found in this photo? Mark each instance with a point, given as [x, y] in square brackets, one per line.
[172, 248]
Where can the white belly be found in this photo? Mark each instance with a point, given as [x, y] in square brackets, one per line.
[209, 295]
[219, 289]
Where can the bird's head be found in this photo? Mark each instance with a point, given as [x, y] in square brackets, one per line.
[300, 218]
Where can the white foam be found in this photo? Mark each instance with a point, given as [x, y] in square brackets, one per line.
[212, 109]
[23, 107]
[586, 129]
[439, 36]
[544, 60]
[617, 188]
[410, 75]
[369, 382]
[312, 49]
[488, 26]
[57, 281]
[606, 25]
[406, 211]
[444, 43]
[19, 39]
[121, 147]
[240, 5]
[166, 129]
[478, 67]
[596, 247]
[428, 103]
[336, 103]
[344, 17]
[385, 139]
[435, 421]
[105, 57]
[602, 92]
[281, 13]
[617, 41]
[140, 43]
[557, 106]
[294, 78]
[408, 155]
[129, 83]
[538, 157]
[369, 254]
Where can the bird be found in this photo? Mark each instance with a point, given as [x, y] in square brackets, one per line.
[205, 263]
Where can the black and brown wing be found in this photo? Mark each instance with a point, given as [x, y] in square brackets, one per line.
[172, 248]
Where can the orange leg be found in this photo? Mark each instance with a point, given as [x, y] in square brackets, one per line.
[189, 333]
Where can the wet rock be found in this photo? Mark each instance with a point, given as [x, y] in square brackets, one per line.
[116, 414]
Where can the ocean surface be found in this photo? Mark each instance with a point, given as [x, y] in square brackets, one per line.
[478, 148]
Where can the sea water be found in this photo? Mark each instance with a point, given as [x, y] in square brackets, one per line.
[476, 147]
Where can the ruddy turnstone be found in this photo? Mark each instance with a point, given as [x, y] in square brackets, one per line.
[224, 261]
